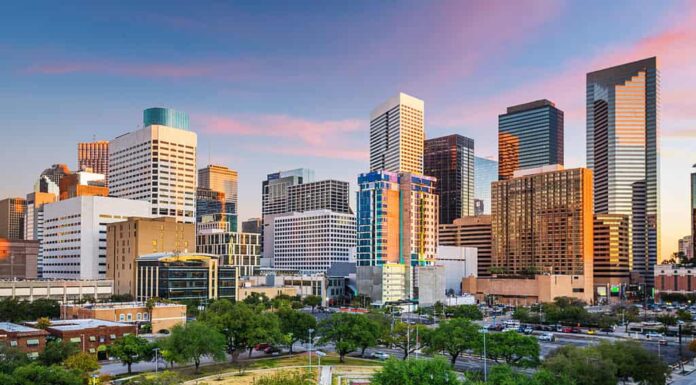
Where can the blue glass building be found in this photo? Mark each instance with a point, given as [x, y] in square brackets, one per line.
[165, 117]
[485, 173]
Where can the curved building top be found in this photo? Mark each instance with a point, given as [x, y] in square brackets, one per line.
[165, 117]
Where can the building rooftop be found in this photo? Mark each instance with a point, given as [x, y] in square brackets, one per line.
[80, 324]
[158, 256]
[121, 305]
[15, 328]
[530, 106]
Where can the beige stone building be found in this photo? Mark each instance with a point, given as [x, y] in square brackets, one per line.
[141, 236]
[162, 316]
[519, 291]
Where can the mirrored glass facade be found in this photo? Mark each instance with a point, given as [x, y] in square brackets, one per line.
[485, 173]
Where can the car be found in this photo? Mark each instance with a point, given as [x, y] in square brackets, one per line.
[576, 330]
[591, 332]
[528, 330]
[547, 337]
[567, 329]
[653, 335]
[606, 330]
[495, 327]
[272, 350]
[510, 330]
[379, 355]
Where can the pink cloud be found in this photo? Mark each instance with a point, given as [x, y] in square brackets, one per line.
[338, 139]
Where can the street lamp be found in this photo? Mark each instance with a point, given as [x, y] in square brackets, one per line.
[484, 331]
[320, 354]
[156, 359]
[310, 349]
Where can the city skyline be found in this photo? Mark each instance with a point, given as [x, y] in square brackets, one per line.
[244, 124]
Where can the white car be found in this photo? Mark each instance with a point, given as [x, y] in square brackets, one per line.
[548, 337]
[653, 335]
[379, 355]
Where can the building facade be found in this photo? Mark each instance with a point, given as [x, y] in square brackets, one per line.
[274, 190]
[94, 156]
[18, 259]
[397, 134]
[672, 279]
[450, 159]
[542, 223]
[471, 232]
[220, 178]
[157, 164]
[240, 250]
[693, 214]
[685, 246]
[127, 240]
[311, 241]
[212, 206]
[612, 258]
[26, 339]
[55, 173]
[63, 291]
[252, 225]
[485, 173]
[623, 153]
[184, 276]
[83, 183]
[160, 316]
[34, 222]
[457, 262]
[12, 215]
[74, 243]
[89, 335]
[320, 195]
[529, 135]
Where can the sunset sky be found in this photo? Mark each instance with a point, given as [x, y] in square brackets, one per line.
[280, 85]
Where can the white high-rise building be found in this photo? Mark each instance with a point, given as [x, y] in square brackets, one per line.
[74, 239]
[397, 133]
[157, 164]
[312, 240]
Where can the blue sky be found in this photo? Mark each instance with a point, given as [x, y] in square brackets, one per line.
[277, 85]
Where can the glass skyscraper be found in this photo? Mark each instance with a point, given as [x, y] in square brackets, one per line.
[166, 117]
[623, 152]
[529, 135]
[450, 159]
[486, 172]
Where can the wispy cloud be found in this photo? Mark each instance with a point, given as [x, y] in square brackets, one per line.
[336, 139]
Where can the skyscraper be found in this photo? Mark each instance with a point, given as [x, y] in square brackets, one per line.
[470, 232]
[56, 172]
[12, 215]
[612, 259]
[623, 152]
[211, 206]
[157, 164]
[34, 222]
[542, 223]
[529, 135]
[485, 173]
[450, 159]
[94, 155]
[397, 132]
[324, 194]
[220, 178]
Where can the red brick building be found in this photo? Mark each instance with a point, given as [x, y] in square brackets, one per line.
[27, 339]
[675, 279]
[90, 335]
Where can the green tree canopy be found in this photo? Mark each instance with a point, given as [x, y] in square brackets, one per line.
[36, 374]
[584, 366]
[471, 312]
[455, 337]
[512, 348]
[82, 362]
[406, 337]
[295, 325]
[195, 340]
[130, 349]
[56, 352]
[343, 330]
[416, 372]
[312, 301]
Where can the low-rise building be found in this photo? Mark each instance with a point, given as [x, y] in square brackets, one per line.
[64, 291]
[270, 292]
[89, 335]
[431, 285]
[384, 284]
[671, 279]
[27, 339]
[521, 291]
[184, 276]
[161, 316]
[458, 262]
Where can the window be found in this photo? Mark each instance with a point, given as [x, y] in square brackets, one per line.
[93, 338]
[130, 317]
[138, 316]
[113, 336]
[32, 342]
[76, 340]
[13, 343]
[122, 317]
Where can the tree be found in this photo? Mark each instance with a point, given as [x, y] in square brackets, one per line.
[684, 315]
[255, 299]
[455, 337]
[343, 330]
[405, 337]
[265, 329]
[584, 366]
[505, 375]
[236, 322]
[295, 325]
[43, 323]
[666, 319]
[369, 332]
[471, 312]
[195, 340]
[56, 352]
[82, 362]
[36, 374]
[513, 349]
[416, 372]
[130, 349]
[312, 301]
[43, 307]
[12, 358]
[634, 362]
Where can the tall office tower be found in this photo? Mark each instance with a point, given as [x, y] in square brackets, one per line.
[542, 222]
[18, 259]
[211, 206]
[241, 250]
[56, 172]
[612, 259]
[529, 135]
[274, 190]
[397, 132]
[693, 214]
[83, 183]
[450, 159]
[75, 234]
[325, 194]
[94, 156]
[34, 222]
[470, 232]
[397, 219]
[485, 173]
[220, 178]
[623, 153]
[311, 241]
[157, 164]
[252, 225]
[12, 214]
[133, 237]
[685, 246]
